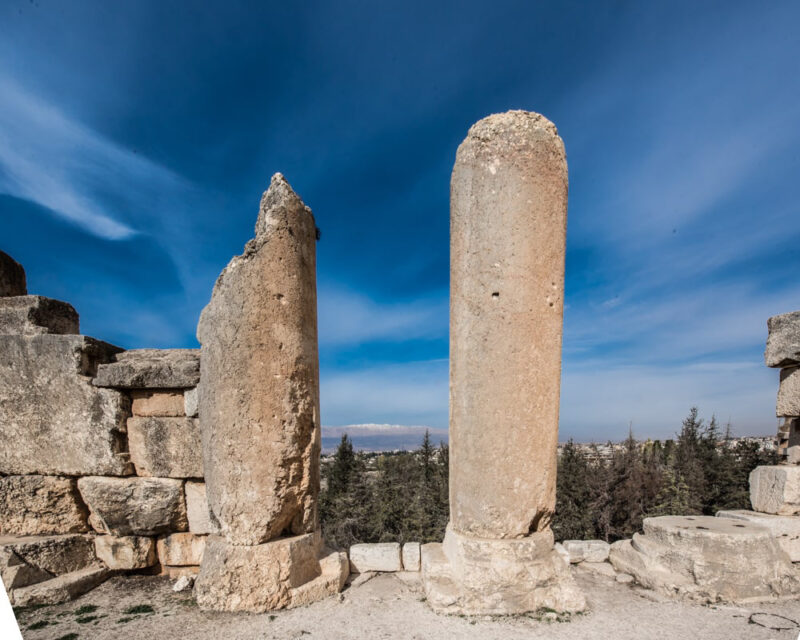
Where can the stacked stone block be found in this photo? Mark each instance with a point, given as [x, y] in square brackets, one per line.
[100, 457]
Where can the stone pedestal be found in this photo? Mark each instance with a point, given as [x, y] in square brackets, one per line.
[508, 216]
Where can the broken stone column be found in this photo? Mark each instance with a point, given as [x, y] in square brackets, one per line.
[508, 216]
[259, 416]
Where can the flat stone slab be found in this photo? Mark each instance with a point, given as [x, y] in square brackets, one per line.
[785, 529]
[12, 277]
[783, 343]
[62, 588]
[775, 489]
[41, 505]
[384, 556]
[37, 315]
[151, 369]
[147, 403]
[279, 574]
[55, 555]
[586, 550]
[47, 402]
[134, 506]
[201, 520]
[124, 553]
[707, 559]
[166, 447]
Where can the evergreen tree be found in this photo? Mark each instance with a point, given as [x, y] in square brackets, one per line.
[573, 516]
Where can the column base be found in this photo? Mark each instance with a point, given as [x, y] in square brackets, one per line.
[280, 574]
[480, 576]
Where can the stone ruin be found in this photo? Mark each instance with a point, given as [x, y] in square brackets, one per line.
[205, 463]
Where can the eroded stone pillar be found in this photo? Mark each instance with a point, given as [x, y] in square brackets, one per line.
[259, 416]
[508, 216]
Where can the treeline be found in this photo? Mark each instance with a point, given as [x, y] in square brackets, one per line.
[404, 496]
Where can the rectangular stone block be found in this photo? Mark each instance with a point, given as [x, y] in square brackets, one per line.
[586, 550]
[55, 555]
[785, 529]
[166, 447]
[383, 556]
[60, 589]
[52, 420]
[788, 404]
[124, 553]
[775, 489]
[181, 549]
[783, 343]
[411, 556]
[191, 403]
[151, 369]
[36, 315]
[41, 505]
[157, 403]
[15, 572]
[134, 506]
[201, 520]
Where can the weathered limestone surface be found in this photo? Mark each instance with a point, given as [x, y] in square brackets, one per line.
[134, 506]
[181, 549]
[275, 575]
[259, 388]
[166, 447]
[384, 556]
[157, 403]
[47, 401]
[586, 550]
[775, 489]
[151, 369]
[785, 529]
[55, 555]
[15, 572]
[508, 220]
[707, 559]
[201, 520]
[126, 552]
[40, 505]
[12, 277]
[411, 556]
[788, 404]
[62, 588]
[190, 403]
[783, 343]
[475, 576]
[37, 315]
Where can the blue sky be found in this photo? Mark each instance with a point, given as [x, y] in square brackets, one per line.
[137, 138]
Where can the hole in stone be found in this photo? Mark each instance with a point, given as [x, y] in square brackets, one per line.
[551, 304]
[496, 294]
[704, 528]
[741, 526]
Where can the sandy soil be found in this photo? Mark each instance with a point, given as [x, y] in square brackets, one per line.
[389, 606]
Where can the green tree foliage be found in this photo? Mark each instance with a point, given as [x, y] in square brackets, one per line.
[403, 496]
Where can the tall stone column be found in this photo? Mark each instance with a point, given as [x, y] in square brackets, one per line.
[508, 216]
[259, 419]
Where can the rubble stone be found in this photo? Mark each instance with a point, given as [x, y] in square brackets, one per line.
[586, 550]
[63, 588]
[783, 343]
[788, 404]
[181, 549]
[383, 556]
[151, 369]
[157, 403]
[785, 529]
[166, 447]
[775, 489]
[259, 388]
[40, 505]
[707, 559]
[15, 572]
[37, 315]
[201, 520]
[411, 556]
[278, 574]
[125, 552]
[134, 506]
[47, 402]
[12, 277]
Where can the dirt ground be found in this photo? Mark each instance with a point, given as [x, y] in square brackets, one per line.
[388, 606]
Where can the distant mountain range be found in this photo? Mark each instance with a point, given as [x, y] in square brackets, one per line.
[380, 437]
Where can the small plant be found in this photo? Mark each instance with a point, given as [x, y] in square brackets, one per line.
[85, 609]
[272, 617]
[124, 620]
[137, 609]
[38, 625]
[69, 636]
[86, 619]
